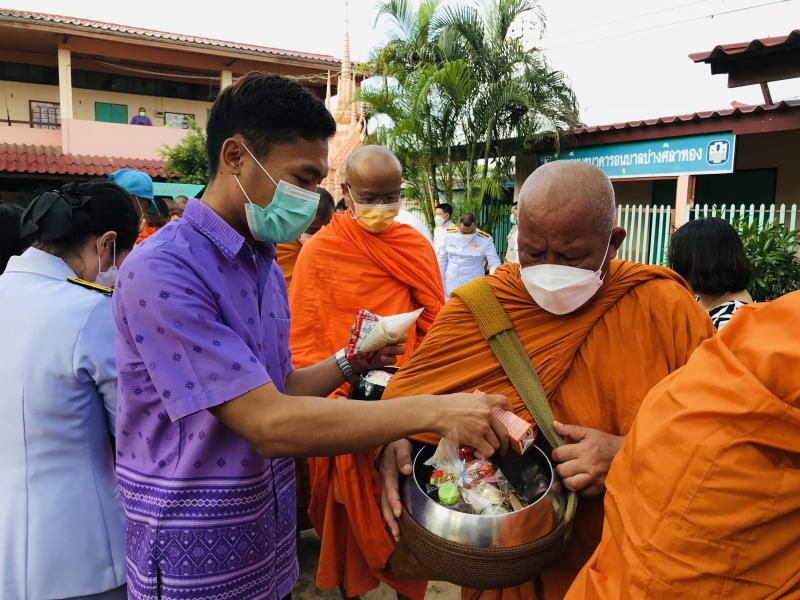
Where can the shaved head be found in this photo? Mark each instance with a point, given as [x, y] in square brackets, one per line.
[562, 182]
[566, 217]
[372, 173]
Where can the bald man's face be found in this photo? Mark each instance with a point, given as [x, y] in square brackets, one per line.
[564, 234]
[373, 182]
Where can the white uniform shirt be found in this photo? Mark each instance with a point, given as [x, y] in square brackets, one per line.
[438, 234]
[61, 519]
[461, 257]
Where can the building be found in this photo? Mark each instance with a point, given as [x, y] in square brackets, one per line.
[69, 88]
[742, 155]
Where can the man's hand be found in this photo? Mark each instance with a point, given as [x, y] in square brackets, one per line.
[385, 357]
[467, 420]
[396, 459]
[585, 458]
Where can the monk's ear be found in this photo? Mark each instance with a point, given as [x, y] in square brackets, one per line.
[618, 235]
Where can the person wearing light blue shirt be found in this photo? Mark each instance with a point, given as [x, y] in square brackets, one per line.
[465, 253]
[61, 516]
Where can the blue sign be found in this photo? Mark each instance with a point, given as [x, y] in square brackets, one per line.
[689, 155]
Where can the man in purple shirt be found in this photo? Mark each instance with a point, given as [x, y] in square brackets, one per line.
[141, 118]
[209, 401]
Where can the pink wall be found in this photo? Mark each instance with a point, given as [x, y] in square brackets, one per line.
[113, 139]
[27, 135]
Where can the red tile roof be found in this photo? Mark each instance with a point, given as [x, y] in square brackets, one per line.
[152, 34]
[697, 116]
[744, 48]
[26, 158]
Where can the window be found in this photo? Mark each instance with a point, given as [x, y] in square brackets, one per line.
[177, 120]
[749, 186]
[110, 113]
[45, 115]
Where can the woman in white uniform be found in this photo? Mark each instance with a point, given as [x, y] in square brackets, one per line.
[61, 518]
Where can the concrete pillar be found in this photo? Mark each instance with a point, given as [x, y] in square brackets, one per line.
[524, 164]
[226, 79]
[684, 197]
[65, 82]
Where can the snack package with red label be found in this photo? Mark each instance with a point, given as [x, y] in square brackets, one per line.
[365, 321]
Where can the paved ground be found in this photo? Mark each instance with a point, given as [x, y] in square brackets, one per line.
[306, 590]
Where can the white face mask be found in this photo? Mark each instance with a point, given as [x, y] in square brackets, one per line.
[560, 289]
[108, 278]
[142, 113]
[439, 220]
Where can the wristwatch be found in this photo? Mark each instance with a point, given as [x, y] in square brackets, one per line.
[345, 367]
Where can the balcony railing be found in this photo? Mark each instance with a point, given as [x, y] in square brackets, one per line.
[94, 138]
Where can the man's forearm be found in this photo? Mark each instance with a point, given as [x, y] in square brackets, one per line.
[320, 379]
[306, 426]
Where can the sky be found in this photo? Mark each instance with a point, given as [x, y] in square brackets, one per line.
[625, 59]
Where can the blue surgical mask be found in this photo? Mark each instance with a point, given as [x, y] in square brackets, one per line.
[288, 215]
[512, 219]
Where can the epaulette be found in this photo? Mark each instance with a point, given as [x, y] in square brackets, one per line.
[452, 228]
[483, 234]
[91, 286]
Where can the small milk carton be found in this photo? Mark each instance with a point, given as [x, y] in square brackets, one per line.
[520, 431]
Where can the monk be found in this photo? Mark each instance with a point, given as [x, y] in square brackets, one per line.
[286, 254]
[362, 259]
[598, 344]
[703, 500]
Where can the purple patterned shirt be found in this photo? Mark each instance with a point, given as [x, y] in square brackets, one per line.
[201, 319]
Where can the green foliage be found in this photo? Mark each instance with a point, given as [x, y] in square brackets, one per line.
[187, 162]
[459, 76]
[773, 251]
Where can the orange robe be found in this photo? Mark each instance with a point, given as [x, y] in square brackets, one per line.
[703, 500]
[596, 365]
[286, 257]
[342, 269]
[145, 233]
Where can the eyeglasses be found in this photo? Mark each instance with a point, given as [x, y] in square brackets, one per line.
[370, 199]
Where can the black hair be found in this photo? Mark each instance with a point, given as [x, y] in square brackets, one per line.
[325, 200]
[62, 220]
[467, 220]
[10, 242]
[708, 253]
[341, 205]
[444, 206]
[265, 110]
[158, 206]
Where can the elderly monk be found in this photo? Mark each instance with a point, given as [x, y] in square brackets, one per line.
[286, 254]
[363, 259]
[703, 500]
[600, 333]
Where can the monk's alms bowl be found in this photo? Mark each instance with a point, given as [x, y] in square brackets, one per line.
[368, 386]
[484, 551]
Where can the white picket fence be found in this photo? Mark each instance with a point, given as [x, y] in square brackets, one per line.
[649, 229]
[762, 214]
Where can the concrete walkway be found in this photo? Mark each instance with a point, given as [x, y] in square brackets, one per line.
[305, 589]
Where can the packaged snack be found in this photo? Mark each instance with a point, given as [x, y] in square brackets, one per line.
[496, 509]
[439, 477]
[448, 494]
[520, 432]
[373, 332]
[481, 496]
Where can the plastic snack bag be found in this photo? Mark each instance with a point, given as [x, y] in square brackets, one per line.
[373, 332]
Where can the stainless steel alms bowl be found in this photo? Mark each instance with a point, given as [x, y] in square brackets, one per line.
[487, 531]
[364, 390]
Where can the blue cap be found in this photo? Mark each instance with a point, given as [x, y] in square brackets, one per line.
[134, 182]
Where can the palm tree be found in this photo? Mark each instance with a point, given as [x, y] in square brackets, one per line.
[460, 76]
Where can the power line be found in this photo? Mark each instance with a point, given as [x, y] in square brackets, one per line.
[664, 25]
[645, 14]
